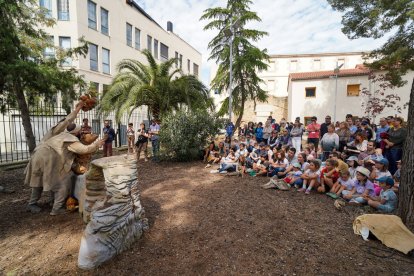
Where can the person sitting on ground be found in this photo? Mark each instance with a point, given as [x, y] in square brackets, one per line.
[218, 154]
[362, 188]
[253, 142]
[387, 201]
[228, 163]
[312, 150]
[370, 153]
[344, 183]
[342, 166]
[310, 177]
[209, 152]
[242, 152]
[358, 145]
[294, 175]
[278, 164]
[353, 165]
[273, 140]
[261, 166]
[304, 166]
[380, 170]
[291, 157]
[329, 175]
[397, 176]
[284, 139]
[227, 143]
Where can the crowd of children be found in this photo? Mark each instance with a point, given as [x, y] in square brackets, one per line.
[359, 173]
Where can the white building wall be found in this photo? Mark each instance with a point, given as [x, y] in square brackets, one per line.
[323, 103]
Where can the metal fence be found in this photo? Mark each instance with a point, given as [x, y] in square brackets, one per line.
[13, 146]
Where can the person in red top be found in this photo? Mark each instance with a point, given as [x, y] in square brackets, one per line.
[314, 130]
[329, 175]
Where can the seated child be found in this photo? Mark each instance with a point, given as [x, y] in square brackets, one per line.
[261, 166]
[344, 183]
[294, 174]
[387, 201]
[310, 177]
[362, 187]
[329, 175]
[397, 177]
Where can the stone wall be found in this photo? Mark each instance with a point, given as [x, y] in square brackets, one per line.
[275, 106]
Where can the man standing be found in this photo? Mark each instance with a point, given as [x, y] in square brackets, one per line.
[324, 126]
[109, 137]
[229, 129]
[313, 128]
[154, 132]
[384, 127]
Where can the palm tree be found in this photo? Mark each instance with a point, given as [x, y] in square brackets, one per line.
[158, 86]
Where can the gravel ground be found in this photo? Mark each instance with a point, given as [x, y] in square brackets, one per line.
[200, 223]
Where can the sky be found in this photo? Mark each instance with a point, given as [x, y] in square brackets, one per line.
[294, 26]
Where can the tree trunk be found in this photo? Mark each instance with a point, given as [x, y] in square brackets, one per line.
[406, 189]
[24, 113]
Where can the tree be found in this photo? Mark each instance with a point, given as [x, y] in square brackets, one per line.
[155, 85]
[395, 19]
[247, 58]
[25, 73]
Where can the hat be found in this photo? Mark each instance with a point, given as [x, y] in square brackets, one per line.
[387, 180]
[352, 158]
[383, 161]
[297, 165]
[363, 171]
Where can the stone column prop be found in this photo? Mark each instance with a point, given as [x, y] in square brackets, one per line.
[116, 221]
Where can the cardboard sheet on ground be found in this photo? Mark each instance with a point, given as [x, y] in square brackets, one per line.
[389, 229]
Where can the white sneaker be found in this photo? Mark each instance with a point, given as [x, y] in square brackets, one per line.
[223, 172]
[208, 166]
[214, 171]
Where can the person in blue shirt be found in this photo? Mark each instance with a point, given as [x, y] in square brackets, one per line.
[383, 127]
[229, 129]
[387, 201]
[259, 133]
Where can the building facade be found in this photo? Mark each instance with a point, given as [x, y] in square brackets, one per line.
[115, 30]
[276, 79]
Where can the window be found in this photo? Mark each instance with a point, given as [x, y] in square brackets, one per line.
[176, 59]
[104, 21]
[49, 52]
[293, 65]
[106, 68]
[195, 69]
[188, 66]
[91, 15]
[137, 39]
[149, 43]
[93, 56]
[129, 34]
[64, 43]
[164, 52]
[156, 48]
[46, 4]
[310, 92]
[352, 90]
[63, 10]
[316, 64]
[181, 61]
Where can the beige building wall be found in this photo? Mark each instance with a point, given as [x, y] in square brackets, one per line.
[275, 80]
[324, 101]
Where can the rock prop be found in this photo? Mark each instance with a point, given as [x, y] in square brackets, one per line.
[116, 218]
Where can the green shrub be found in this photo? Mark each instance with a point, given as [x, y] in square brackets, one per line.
[184, 133]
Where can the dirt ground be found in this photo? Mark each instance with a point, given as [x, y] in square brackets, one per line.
[200, 223]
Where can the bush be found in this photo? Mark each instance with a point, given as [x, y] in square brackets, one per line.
[184, 133]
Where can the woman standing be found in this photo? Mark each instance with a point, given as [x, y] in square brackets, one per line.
[395, 142]
[267, 131]
[344, 135]
[296, 135]
[329, 142]
[142, 142]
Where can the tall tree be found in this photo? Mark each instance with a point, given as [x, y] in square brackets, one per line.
[394, 19]
[25, 72]
[247, 58]
[157, 86]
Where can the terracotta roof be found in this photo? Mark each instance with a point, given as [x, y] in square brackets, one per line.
[359, 70]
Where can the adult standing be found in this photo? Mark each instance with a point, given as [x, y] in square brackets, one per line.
[329, 142]
[154, 132]
[324, 126]
[296, 135]
[142, 142]
[313, 129]
[259, 132]
[109, 137]
[229, 129]
[267, 130]
[383, 128]
[397, 135]
[344, 135]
